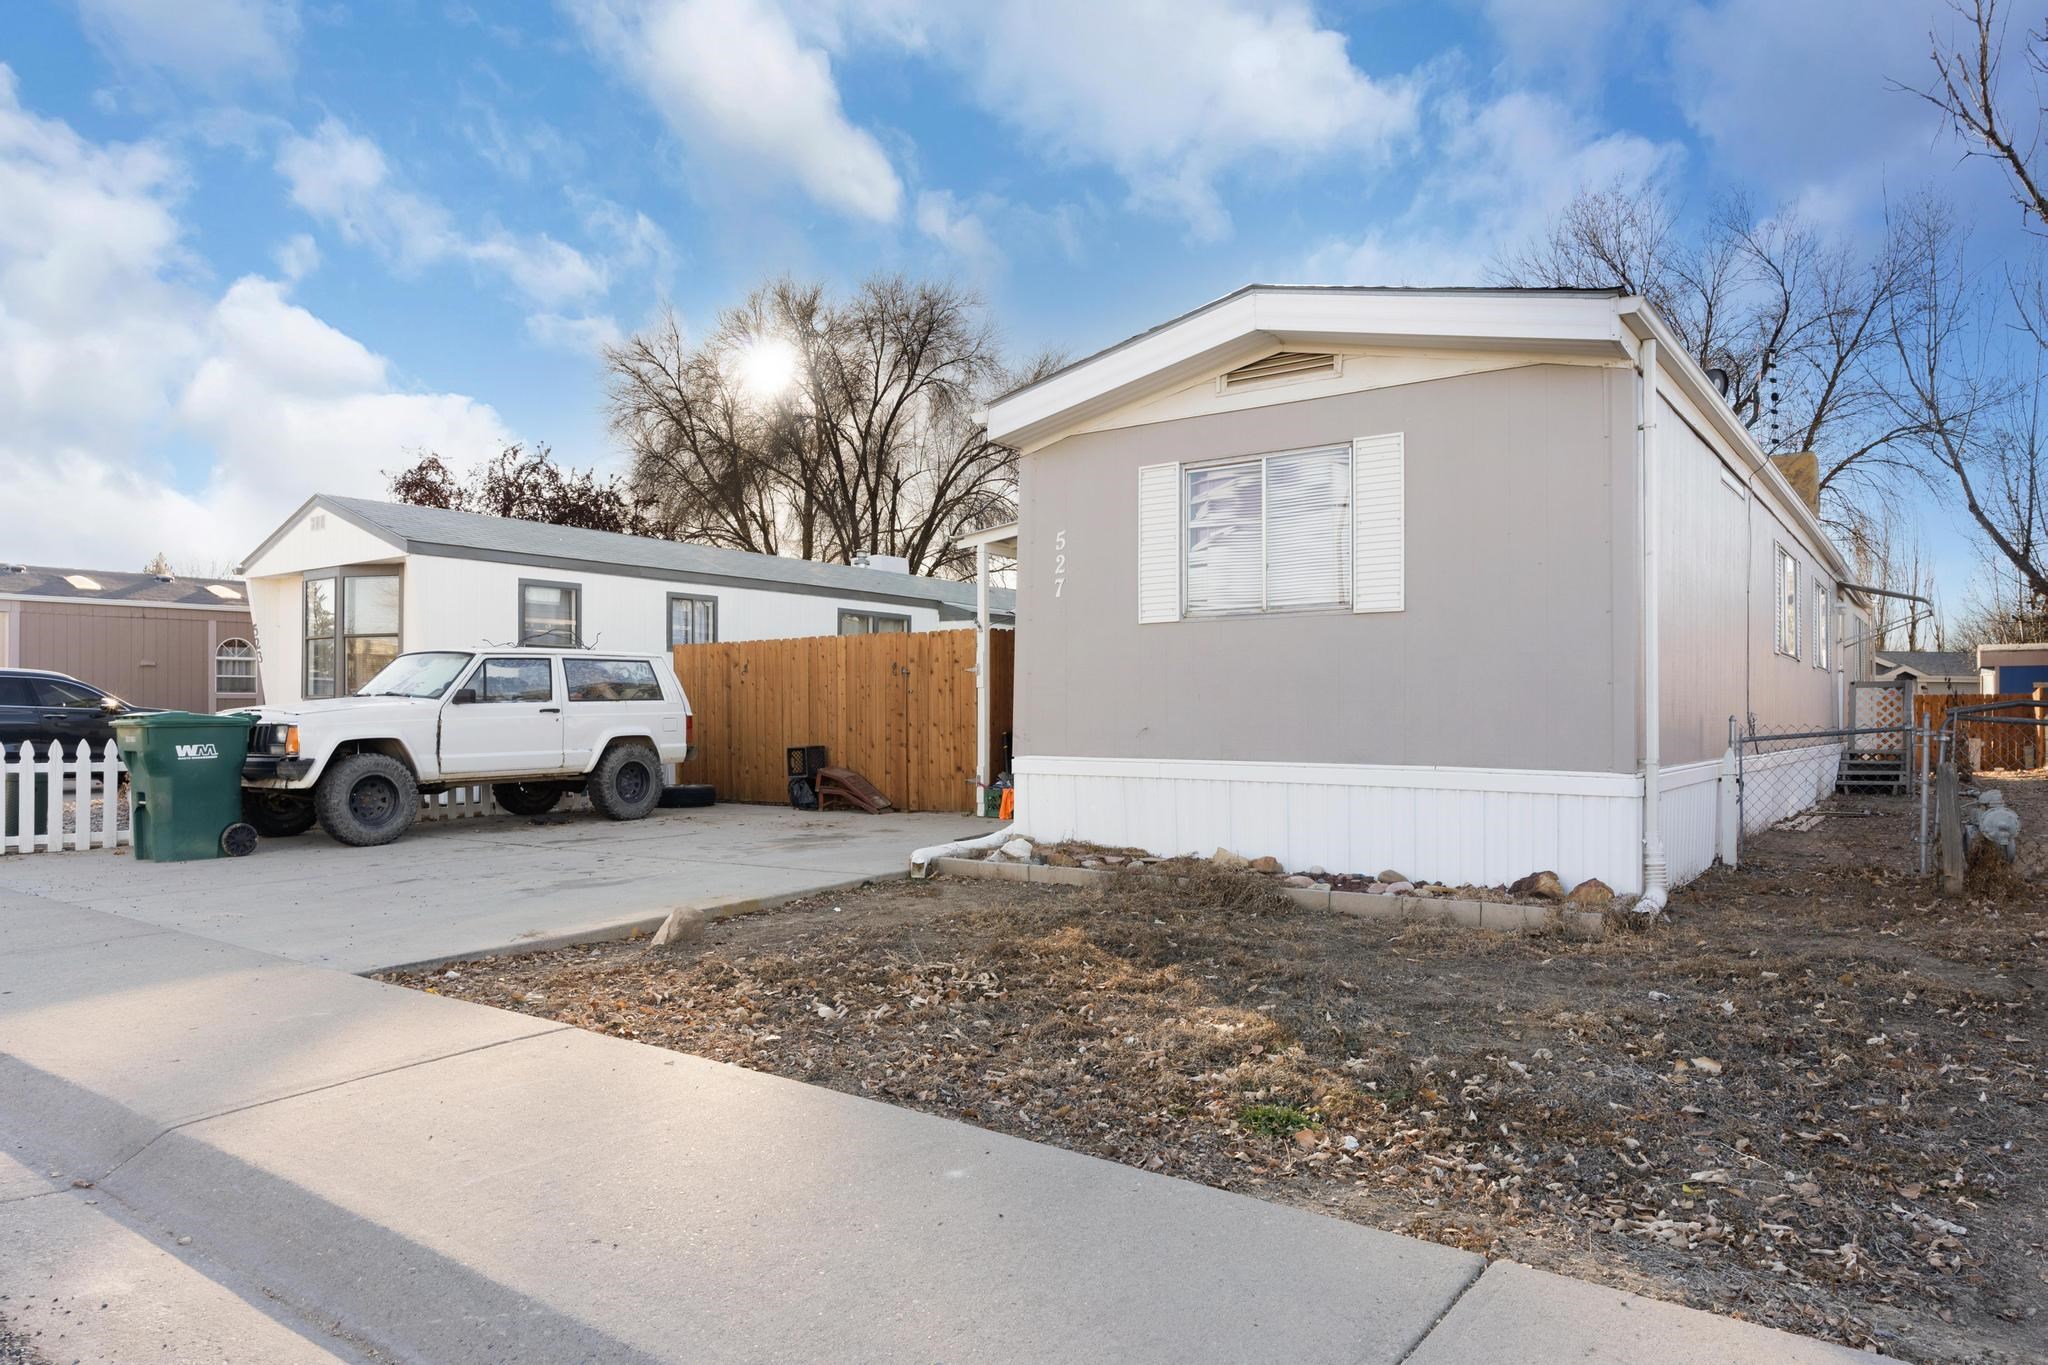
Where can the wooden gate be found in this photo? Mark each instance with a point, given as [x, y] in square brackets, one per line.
[1996, 744]
[898, 709]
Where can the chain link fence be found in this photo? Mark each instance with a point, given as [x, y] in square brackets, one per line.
[1793, 777]
[1990, 824]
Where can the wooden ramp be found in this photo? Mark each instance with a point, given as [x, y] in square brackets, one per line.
[844, 784]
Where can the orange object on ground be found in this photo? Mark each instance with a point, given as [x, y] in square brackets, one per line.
[1008, 810]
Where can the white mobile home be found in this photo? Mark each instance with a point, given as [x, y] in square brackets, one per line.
[1355, 577]
[346, 584]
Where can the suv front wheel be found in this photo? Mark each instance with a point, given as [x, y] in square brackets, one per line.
[626, 784]
[367, 799]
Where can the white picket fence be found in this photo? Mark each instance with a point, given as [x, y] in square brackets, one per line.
[83, 801]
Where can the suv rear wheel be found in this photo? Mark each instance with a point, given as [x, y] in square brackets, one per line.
[278, 814]
[528, 798]
[626, 783]
[366, 799]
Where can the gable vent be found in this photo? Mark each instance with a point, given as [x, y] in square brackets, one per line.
[1284, 365]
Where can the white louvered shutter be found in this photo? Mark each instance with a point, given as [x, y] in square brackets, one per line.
[1159, 543]
[1378, 524]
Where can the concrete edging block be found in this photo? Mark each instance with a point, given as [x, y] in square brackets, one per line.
[1065, 876]
[1308, 897]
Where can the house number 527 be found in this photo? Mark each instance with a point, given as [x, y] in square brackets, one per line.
[1059, 562]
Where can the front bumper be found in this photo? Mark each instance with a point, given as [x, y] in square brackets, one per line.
[270, 768]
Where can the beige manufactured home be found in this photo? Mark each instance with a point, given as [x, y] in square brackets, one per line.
[154, 639]
[1355, 577]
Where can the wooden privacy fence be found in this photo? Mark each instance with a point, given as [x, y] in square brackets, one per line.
[898, 709]
[2002, 745]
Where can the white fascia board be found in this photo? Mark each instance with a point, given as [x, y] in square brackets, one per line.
[223, 608]
[1706, 402]
[1258, 320]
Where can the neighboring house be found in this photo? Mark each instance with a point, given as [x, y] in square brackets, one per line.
[1937, 672]
[347, 583]
[1353, 577]
[2012, 668]
[153, 639]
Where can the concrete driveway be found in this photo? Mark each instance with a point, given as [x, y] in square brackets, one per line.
[461, 887]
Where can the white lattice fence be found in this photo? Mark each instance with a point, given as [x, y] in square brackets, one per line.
[49, 802]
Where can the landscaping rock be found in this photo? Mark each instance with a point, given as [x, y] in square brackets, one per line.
[1317, 871]
[1423, 891]
[1376, 888]
[1297, 880]
[1115, 859]
[1059, 859]
[1267, 864]
[1400, 888]
[1389, 876]
[1543, 886]
[1023, 850]
[1591, 892]
[683, 927]
[1228, 861]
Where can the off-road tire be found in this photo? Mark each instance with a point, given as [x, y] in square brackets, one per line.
[366, 799]
[278, 815]
[626, 784]
[528, 798]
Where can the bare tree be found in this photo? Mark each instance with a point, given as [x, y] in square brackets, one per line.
[822, 427]
[1969, 91]
[529, 486]
[1796, 322]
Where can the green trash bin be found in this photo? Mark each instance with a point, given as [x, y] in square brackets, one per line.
[185, 771]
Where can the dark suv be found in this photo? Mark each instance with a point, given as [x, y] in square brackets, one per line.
[40, 707]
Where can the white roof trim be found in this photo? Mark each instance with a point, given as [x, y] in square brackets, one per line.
[1001, 539]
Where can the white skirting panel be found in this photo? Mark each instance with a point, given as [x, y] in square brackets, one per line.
[1458, 825]
[1689, 813]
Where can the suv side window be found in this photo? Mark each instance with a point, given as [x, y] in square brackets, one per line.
[16, 692]
[611, 680]
[515, 680]
[52, 692]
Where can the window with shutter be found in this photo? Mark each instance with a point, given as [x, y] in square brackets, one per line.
[1820, 625]
[1271, 533]
[1788, 603]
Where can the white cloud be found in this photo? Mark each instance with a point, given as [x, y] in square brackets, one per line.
[113, 352]
[736, 82]
[1502, 171]
[959, 230]
[297, 258]
[206, 42]
[584, 336]
[341, 177]
[1173, 94]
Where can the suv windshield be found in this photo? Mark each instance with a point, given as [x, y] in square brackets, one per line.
[416, 675]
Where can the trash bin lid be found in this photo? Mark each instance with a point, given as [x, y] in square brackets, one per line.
[181, 720]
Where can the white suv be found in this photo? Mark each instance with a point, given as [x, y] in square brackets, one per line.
[534, 724]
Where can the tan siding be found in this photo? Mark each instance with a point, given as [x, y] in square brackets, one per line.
[153, 656]
[1517, 645]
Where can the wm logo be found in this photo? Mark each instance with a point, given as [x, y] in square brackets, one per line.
[197, 751]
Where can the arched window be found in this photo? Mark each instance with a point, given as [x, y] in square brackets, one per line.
[234, 669]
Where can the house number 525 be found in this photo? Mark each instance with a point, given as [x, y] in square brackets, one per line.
[1059, 562]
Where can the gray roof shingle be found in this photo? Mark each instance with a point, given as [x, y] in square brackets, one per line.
[1930, 663]
[140, 588]
[421, 529]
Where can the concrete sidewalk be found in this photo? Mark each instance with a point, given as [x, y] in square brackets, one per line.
[462, 887]
[378, 1170]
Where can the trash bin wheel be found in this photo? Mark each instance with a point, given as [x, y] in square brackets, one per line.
[238, 840]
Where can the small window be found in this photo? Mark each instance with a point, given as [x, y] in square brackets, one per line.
[549, 614]
[1269, 534]
[526, 680]
[322, 646]
[872, 623]
[1820, 625]
[234, 669]
[692, 620]
[611, 680]
[1788, 603]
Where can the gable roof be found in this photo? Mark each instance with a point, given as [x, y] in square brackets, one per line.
[138, 588]
[471, 535]
[1930, 663]
[1599, 324]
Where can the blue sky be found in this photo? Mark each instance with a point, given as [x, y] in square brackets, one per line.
[256, 248]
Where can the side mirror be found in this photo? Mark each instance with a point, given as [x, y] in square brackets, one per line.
[465, 696]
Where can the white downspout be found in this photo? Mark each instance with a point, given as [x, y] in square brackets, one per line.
[1656, 877]
[982, 776]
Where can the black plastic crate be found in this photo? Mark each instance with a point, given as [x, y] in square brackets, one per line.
[806, 759]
